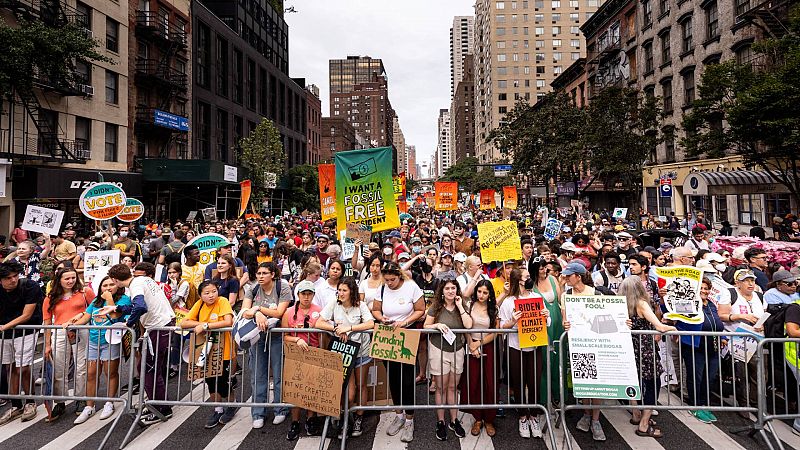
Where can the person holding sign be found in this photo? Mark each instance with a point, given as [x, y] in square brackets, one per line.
[549, 289]
[481, 373]
[446, 352]
[525, 364]
[399, 304]
[26, 255]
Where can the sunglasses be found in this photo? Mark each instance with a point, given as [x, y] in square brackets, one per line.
[789, 283]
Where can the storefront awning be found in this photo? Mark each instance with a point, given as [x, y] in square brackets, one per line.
[731, 183]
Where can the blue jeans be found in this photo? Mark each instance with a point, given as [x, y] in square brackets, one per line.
[702, 366]
[261, 359]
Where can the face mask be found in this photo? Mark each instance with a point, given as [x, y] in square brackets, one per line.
[416, 249]
[720, 267]
[123, 234]
[387, 251]
[529, 284]
[426, 268]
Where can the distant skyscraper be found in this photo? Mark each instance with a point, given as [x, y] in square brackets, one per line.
[411, 162]
[462, 42]
[399, 141]
[444, 154]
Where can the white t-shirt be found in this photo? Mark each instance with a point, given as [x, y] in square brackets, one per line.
[351, 316]
[463, 280]
[159, 311]
[369, 293]
[398, 305]
[742, 306]
[613, 281]
[506, 314]
[325, 294]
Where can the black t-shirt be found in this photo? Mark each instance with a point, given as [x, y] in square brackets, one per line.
[792, 314]
[428, 288]
[13, 303]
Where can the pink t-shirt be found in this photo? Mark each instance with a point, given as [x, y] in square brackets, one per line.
[296, 319]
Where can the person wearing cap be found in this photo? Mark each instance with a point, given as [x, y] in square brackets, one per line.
[224, 248]
[567, 253]
[303, 315]
[462, 243]
[698, 240]
[416, 245]
[784, 289]
[713, 264]
[626, 247]
[445, 270]
[458, 262]
[320, 250]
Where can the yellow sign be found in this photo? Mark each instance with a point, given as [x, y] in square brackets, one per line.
[499, 241]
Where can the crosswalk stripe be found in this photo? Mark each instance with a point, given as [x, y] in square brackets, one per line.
[785, 433]
[155, 434]
[561, 441]
[620, 420]
[9, 430]
[384, 441]
[470, 442]
[710, 434]
[234, 432]
[310, 443]
[77, 434]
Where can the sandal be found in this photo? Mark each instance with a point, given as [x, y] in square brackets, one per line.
[636, 422]
[652, 432]
[421, 380]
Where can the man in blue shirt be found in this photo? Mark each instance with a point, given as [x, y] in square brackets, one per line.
[785, 290]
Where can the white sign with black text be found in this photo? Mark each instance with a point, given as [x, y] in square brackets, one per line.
[42, 220]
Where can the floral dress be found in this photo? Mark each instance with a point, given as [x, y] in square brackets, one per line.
[647, 359]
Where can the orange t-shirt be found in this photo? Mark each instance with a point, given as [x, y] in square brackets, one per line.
[67, 308]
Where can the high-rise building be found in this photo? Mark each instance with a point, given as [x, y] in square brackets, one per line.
[313, 125]
[520, 47]
[462, 43]
[462, 115]
[444, 156]
[337, 136]
[411, 162]
[344, 74]
[399, 142]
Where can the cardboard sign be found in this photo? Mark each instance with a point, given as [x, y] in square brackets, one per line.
[180, 314]
[552, 228]
[95, 262]
[499, 241]
[205, 357]
[192, 215]
[209, 214]
[42, 220]
[102, 201]
[349, 351]
[620, 213]
[446, 195]
[683, 293]
[133, 211]
[743, 348]
[532, 326]
[357, 231]
[398, 345]
[207, 244]
[313, 379]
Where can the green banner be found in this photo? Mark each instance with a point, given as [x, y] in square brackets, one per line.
[364, 192]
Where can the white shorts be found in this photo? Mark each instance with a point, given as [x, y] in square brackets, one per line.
[443, 363]
[19, 350]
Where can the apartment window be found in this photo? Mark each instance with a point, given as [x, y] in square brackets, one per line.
[663, 7]
[742, 6]
[500, 5]
[502, 96]
[777, 205]
[593, 3]
[83, 134]
[527, 70]
[83, 71]
[666, 95]
[501, 31]
[575, 56]
[688, 87]
[749, 207]
[502, 83]
[238, 76]
[112, 142]
[648, 57]
[112, 87]
[575, 43]
[539, 83]
[665, 48]
[574, 17]
[744, 55]
[538, 18]
[556, 17]
[222, 67]
[669, 144]
[573, 3]
[85, 12]
[686, 33]
[647, 12]
[222, 135]
[501, 17]
[112, 35]
[501, 57]
[502, 71]
[251, 84]
[204, 130]
[539, 43]
[556, 42]
[203, 55]
[539, 31]
[575, 30]
[501, 44]
[557, 56]
[555, 4]
[712, 21]
[502, 109]
[722, 208]
[557, 70]
[556, 30]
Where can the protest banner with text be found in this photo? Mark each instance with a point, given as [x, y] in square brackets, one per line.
[487, 199]
[312, 379]
[499, 241]
[532, 326]
[398, 345]
[327, 191]
[446, 195]
[510, 197]
[364, 189]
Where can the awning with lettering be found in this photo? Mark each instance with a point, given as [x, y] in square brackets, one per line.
[731, 182]
[67, 184]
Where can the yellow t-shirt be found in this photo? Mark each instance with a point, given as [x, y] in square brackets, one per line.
[202, 312]
[193, 274]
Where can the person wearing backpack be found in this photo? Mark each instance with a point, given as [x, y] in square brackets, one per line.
[611, 275]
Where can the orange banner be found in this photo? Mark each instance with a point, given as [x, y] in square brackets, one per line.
[446, 195]
[487, 199]
[246, 188]
[510, 197]
[327, 191]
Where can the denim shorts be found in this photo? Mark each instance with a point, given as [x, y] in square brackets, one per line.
[103, 352]
[362, 361]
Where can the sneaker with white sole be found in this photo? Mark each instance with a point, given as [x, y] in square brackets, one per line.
[278, 419]
[108, 411]
[584, 423]
[536, 427]
[408, 431]
[358, 426]
[10, 414]
[258, 423]
[597, 431]
[28, 412]
[524, 429]
[396, 425]
[88, 411]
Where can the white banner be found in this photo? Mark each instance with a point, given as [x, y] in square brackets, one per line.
[42, 220]
[94, 263]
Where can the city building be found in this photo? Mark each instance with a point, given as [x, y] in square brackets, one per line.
[411, 162]
[462, 43]
[313, 125]
[337, 135]
[462, 114]
[344, 74]
[399, 142]
[573, 81]
[239, 76]
[56, 138]
[444, 154]
[520, 47]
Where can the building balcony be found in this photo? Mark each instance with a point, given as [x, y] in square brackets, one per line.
[149, 23]
[17, 145]
[51, 12]
[155, 71]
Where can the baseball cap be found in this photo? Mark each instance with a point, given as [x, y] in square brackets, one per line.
[624, 234]
[403, 255]
[224, 244]
[743, 274]
[569, 247]
[573, 268]
[699, 229]
[460, 257]
[374, 246]
[305, 286]
[784, 275]
[93, 247]
[446, 254]
[416, 239]
[714, 257]
[567, 230]
[323, 236]
[705, 266]
[394, 234]
[665, 246]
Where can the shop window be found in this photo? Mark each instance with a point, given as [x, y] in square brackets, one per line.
[722, 208]
[652, 200]
[749, 208]
[700, 203]
[776, 205]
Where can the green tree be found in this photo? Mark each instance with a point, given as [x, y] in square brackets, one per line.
[261, 153]
[470, 179]
[758, 108]
[33, 51]
[304, 185]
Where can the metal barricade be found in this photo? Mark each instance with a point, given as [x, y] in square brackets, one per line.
[67, 362]
[779, 400]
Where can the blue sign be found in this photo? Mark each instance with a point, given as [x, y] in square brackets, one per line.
[502, 168]
[666, 190]
[552, 228]
[168, 120]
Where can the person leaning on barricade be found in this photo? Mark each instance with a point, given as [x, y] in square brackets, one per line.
[20, 299]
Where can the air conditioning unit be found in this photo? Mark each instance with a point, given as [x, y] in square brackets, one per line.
[86, 89]
[89, 33]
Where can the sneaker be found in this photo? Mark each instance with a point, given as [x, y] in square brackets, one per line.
[173, 372]
[39, 381]
[294, 431]
[441, 431]
[396, 425]
[88, 411]
[536, 427]
[711, 416]
[358, 426]
[28, 412]
[213, 420]
[228, 414]
[311, 426]
[56, 412]
[457, 428]
[10, 415]
[108, 411]
[278, 419]
[408, 431]
[524, 429]
[597, 431]
[152, 418]
[258, 423]
[583, 424]
[701, 416]
[80, 405]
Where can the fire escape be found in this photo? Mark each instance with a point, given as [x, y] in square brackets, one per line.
[160, 77]
[47, 145]
[769, 16]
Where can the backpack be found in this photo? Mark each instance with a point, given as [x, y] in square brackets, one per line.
[774, 326]
[605, 278]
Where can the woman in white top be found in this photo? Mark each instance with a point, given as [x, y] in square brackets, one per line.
[368, 289]
[399, 303]
[348, 314]
[525, 365]
[328, 291]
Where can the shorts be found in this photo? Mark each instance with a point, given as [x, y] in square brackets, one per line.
[222, 384]
[362, 361]
[103, 352]
[19, 350]
[443, 363]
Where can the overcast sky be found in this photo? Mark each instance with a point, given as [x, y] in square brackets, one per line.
[411, 36]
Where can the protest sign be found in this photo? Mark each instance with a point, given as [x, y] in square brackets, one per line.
[499, 241]
[327, 191]
[133, 211]
[348, 246]
[683, 293]
[349, 351]
[209, 214]
[94, 262]
[180, 314]
[602, 361]
[102, 201]
[207, 244]
[532, 326]
[312, 379]
[398, 345]
[42, 220]
[356, 231]
[191, 216]
[510, 197]
[399, 189]
[293, 210]
[487, 199]
[364, 192]
[620, 213]
[743, 348]
[552, 228]
[205, 356]
[446, 195]
[244, 200]
[467, 216]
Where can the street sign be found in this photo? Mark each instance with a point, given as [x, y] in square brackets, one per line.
[172, 121]
[666, 187]
[502, 170]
